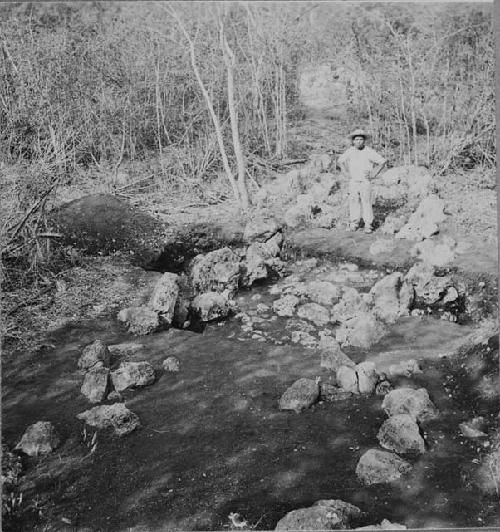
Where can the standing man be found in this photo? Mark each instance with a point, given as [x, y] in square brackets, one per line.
[362, 164]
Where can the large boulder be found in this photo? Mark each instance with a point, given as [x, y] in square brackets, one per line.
[416, 403]
[437, 253]
[430, 289]
[132, 375]
[329, 392]
[424, 222]
[259, 259]
[322, 292]
[297, 215]
[347, 379]
[350, 305]
[315, 313]
[332, 356]
[393, 224]
[367, 377]
[96, 383]
[260, 230]
[39, 438]
[93, 354]
[216, 271]
[419, 181]
[300, 395]
[139, 320]
[116, 416]
[392, 297]
[164, 297]
[363, 330]
[211, 305]
[285, 306]
[400, 433]
[377, 467]
[323, 515]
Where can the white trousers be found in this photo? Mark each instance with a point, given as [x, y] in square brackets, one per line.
[360, 202]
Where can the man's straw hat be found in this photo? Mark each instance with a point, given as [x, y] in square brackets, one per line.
[359, 133]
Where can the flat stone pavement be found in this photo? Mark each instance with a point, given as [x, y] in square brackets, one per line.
[480, 257]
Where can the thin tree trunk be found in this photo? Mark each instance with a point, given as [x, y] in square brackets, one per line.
[229, 59]
[208, 101]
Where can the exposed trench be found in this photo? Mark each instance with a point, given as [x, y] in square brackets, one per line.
[214, 442]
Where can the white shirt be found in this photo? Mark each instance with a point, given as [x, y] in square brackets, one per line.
[360, 162]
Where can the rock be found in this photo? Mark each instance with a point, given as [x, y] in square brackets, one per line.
[285, 306]
[384, 525]
[258, 259]
[94, 353]
[116, 416]
[132, 374]
[260, 230]
[348, 267]
[487, 476]
[211, 305]
[114, 396]
[315, 313]
[304, 338]
[262, 309]
[139, 320]
[347, 379]
[11, 469]
[322, 292]
[392, 297]
[393, 224]
[400, 433]
[473, 429]
[164, 297]
[320, 162]
[96, 383]
[382, 246]
[39, 438]
[125, 348]
[297, 215]
[351, 305]
[383, 388]
[451, 295]
[171, 364]
[323, 515]
[367, 377]
[376, 467]
[406, 368]
[216, 271]
[431, 252]
[329, 392]
[332, 356]
[423, 223]
[300, 325]
[363, 330]
[300, 395]
[419, 181]
[326, 217]
[430, 289]
[409, 401]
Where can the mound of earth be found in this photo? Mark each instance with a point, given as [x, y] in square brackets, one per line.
[101, 224]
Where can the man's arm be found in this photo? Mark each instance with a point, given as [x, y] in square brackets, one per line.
[378, 169]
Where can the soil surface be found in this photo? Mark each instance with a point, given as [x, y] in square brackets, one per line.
[212, 439]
